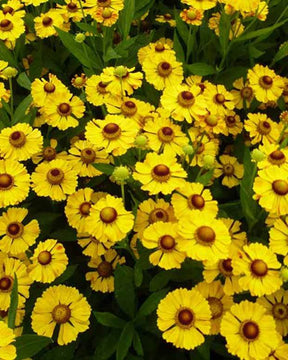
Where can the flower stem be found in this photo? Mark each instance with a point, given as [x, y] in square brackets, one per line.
[123, 192]
[11, 99]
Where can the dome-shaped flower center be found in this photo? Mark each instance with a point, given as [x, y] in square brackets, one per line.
[277, 157]
[104, 3]
[15, 229]
[108, 215]
[158, 215]
[216, 307]
[246, 92]
[230, 121]
[165, 134]
[280, 187]
[49, 87]
[159, 47]
[6, 182]
[167, 16]
[249, 330]
[6, 284]
[219, 99]
[84, 208]
[49, 153]
[205, 235]
[55, 176]
[101, 88]
[264, 127]
[191, 15]
[105, 269]
[185, 318]
[44, 257]
[196, 201]
[61, 314]
[161, 173]
[280, 311]
[6, 25]
[266, 82]
[72, 7]
[228, 169]
[88, 155]
[129, 108]
[164, 69]
[7, 10]
[211, 120]
[186, 99]
[111, 131]
[167, 242]
[64, 109]
[225, 267]
[107, 13]
[47, 21]
[17, 139]
[259, 268]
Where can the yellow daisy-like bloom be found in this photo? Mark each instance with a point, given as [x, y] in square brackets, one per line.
[192, 16]
[212, 124]
[102, 279]
[83, 155]
[271, 189]
[64, 306]
[164, 239]
[63, 110]
[277, 306]
[163, 71]
[191, 199]
[150, 211]
[71, 10]
[11, 6]
[49, 153]
[34, 2]
[166, 19]
[153, 50]
[46, 22]
[218, 99]
[55, 179]
[265, 83]
[91, 246]
[239, 238]
[96, 90]
[116, 5]
[121, 80]
[115, 134]
[184, 102]
[159, 173]
[8, 268]
[20, 142]
[108, 219]
[278, 235]
[49, 261]
[105, 16]
[184, 317]
[3, 66]
[7, 349]
[14, 183]
[230, 169]
[244, 94]
[218, 301]
[260, 269]
[201, 4]
[234, 125]
[250, 333]
[236, 28]
[163, 135]
[261, 127]
[42, 90]
[274, 156]
[279, 352]
[11, 26]
[17, 237]
[4, 94]
[205, 238]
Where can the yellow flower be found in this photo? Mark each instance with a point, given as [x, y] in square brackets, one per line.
[261, 127]
[152, 50]
[4, 94]
[249, 331]
[102, 279]
[218, 301]
[20, 142]
[45, 23]
[192, 16]
[91, 246]
[163, 71]
[108, 219]
[55, 179]
[279, 352]
[17, 237]
[49, 261]
[218, 99]
[239, 238]
[11, 26]
[49, 153]
[159, 173]
[166, 19]
[71, 10]
[244, 94]
[96, 90]
[116, 5]
[184, 317]
[14, 183]
[164, 239]
[259, 268]
[236, 28]
[278, 235]
[184, 102]
[271, 189]
[230, 169]
[115, 134]
[234, 126]
[105, 16]
[201, 4]
[64, 306]
[7, 348]
[265, 83]
[192, 199]
[273, 156]
[212, 124]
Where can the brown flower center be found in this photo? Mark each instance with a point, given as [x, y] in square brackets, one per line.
[280, 311]
[49, 87]
[167, 16]
[164, 69]
[228, 169]
[49, 153]
[105, 269]
[6, 25]
[47, 21]
[211, 120]
[280, 187]
[108, 215]
[249, 330]
[277, 157]
[230, 121]
[216, 307]
[72, 7]
[7, 10]
[259, 268]
[61, 314]
[205, 235]
[111, 131]
[219, 99]
[264, 127]
[6, 181]
[104, 3]
[64, 109]
[159, 47]
[186, 99]
[266, 82]
[55, 176]
[225, 267]
[15, 229]
[161, 173]
[158, 215]
[106, 13]
[101, 88]
[6, 284]
[44, 257]
[196, 202]
[165, 134]
[246, 92]
[185, 318]
[88, 155]
[129, 108]
[84, 208]
[167, 243]
[17, 139]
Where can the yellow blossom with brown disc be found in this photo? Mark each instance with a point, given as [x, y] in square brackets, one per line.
[243, 94]
[152, 50]
[218, 99]
[11, 26]
[91, 246]
[201, 4]
[273, 156]
[45, 23]
[230, 169]
[49, 153]
[7, 346]
[96, 90]
[261, 128]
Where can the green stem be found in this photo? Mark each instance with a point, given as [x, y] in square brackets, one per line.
[123, 192]
[282, 15]
[11, 99]
[188, 45]
[282, 133]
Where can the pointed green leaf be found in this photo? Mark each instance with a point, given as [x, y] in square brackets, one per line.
[125, 341]
[108, 319]
[124, 289]
[151, 303]
[30, 345]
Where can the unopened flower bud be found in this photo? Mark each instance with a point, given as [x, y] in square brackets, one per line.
[141, 140]
[188, 149]
[257, 155]
[80, 38]
[120, 71]
[209, 161]
[284, 273]
[9, 72]
[121, 173]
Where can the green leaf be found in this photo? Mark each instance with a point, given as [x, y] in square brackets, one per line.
[151, 303]
[201, 69]
[206, 177]
[87, 28]
[181, 26]
[124, 289]
[125, 18]
[224, 30]
[24, 81]
[65, 234]
[30, 345]
[232, 209]
[178, 48]
[111, 54]
[108, 319]
[137, 344]
[281, 53]
[125, 341]
[138, 274]
[19, 114]
[104, 168]
[141, 7]
[107, 346]
[6, 55]
[68, 273]
[13, 304]
[65, 352]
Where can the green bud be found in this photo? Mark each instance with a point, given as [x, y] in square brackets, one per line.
[257, 155]
[284, 273]
[188, 149]
[141, 140]
[120, 71]
[80, 38]
[209, 161]
[121, 173]
[9, 72]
